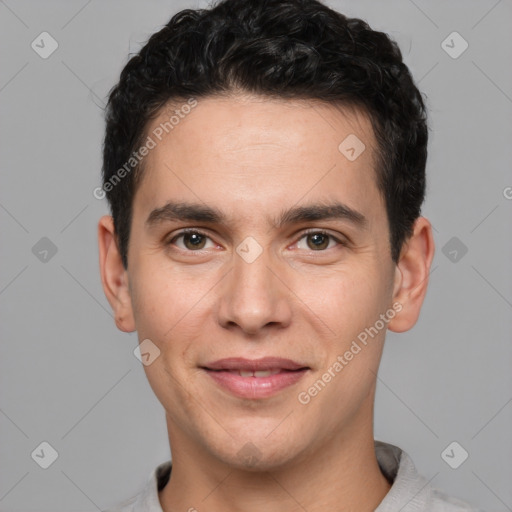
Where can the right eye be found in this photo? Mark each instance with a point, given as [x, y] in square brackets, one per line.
[193, 240]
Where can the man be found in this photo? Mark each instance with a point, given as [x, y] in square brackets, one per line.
[265, 167]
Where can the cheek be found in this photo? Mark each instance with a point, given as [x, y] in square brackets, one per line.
[347, 301]
[164, 314]
[170, 311]
[161, 297]
[350, 305]
[149, 303]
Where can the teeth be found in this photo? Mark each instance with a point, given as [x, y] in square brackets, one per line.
[263, 373]
[259, 373]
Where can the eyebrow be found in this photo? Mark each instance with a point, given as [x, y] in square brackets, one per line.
[195, 212]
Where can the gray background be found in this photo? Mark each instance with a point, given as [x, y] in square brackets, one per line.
[68, 377]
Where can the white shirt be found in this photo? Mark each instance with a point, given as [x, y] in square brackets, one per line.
[410, 492]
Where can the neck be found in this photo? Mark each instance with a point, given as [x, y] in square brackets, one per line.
[341, 475]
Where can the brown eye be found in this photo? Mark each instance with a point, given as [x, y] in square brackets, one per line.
[319, 240]
[192, 240]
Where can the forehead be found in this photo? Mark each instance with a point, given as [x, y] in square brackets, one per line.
[247, 154]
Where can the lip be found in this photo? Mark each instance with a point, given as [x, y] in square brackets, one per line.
[263, 363]
[224, 373]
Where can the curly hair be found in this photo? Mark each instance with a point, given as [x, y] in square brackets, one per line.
[291, 49]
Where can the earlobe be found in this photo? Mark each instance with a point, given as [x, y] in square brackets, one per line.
[114, 277]
[411, 277]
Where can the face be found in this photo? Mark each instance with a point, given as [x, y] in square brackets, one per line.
[259, 244]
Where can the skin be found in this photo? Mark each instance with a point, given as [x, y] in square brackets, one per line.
[252, 158]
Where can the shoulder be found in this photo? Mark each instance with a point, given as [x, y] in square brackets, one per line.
[147, 499]
[125, 506]
[442, 502]
[410, 491]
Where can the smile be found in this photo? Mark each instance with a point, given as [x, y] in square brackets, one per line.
[256, 378]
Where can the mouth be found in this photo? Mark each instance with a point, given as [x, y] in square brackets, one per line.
[255, 378]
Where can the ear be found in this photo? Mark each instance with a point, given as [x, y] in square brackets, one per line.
[411, 275]
[114, 277]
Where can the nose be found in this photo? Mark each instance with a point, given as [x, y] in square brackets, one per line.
[254, 296]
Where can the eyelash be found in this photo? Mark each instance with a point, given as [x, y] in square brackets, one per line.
[302, 235]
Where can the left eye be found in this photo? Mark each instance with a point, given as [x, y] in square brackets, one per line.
[318, 240]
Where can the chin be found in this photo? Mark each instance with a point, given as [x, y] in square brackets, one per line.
[260, 455]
